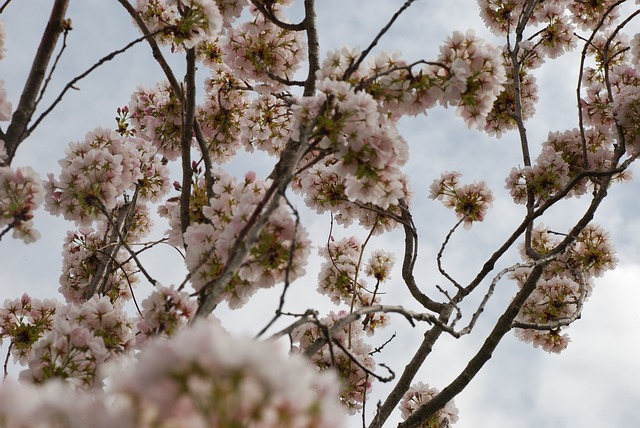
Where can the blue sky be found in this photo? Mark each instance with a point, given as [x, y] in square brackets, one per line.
[591, 384]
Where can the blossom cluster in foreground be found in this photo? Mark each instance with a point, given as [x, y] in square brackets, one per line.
[201, 378]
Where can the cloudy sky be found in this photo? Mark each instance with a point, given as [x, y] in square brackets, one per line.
[591, 384]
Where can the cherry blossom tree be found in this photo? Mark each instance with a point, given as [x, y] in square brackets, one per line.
[123, 348]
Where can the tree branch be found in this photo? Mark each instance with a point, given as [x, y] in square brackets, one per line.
[483, 355]
[313, 46]
[188, 109]
[410, 257]
[410, 370]
[26, 106]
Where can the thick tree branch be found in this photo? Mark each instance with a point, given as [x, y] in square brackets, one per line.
[26, 106]
[189, 112]
[313, 46]
[410, 370]
[483, 355]
[409, 260]
[155, 49]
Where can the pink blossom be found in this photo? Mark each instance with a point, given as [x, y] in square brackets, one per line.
[258, 48]
[23, 405]
[164, 312]
[185, 22]
[588, 15]
[470, 201]
[21, 194]
[209, 378]
[380, 264]
[209, 244]
[96, 171]
[155, 116]
[221, 114]
[230, 10]
[266, 124]
[356, 384]
[418, 395]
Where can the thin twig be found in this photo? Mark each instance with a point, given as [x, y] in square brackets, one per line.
[67, 28]
[72, 82]
[353, 67]
[441, 252]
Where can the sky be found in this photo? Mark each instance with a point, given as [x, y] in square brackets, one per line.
[593, 383]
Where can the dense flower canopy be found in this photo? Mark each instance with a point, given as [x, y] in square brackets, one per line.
[329, 126]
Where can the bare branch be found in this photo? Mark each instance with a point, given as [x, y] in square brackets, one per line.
[268, 13]
[410, 370]
[155, 49]
[26, 106]
[410, 257]
[492, 287]
[439, 256]
[72, 82]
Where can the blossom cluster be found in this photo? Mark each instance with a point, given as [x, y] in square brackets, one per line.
[324, 189]
[164, 312]
[559, 164]
[566, 283]
[266, 124]
[21, 193]
[67, 342]
[420, 394]
[501, 16]
[366, 149]
[96, 171]
[203, 377]
[351, 164]
[156, 115]
[468, 74]
[502, 116]
[351, 360]
[469, 201]
[83, 252]
[279, 252]
[181, 23]
[341, 279]
[262, 51]
[221, 114]
[24, 320]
